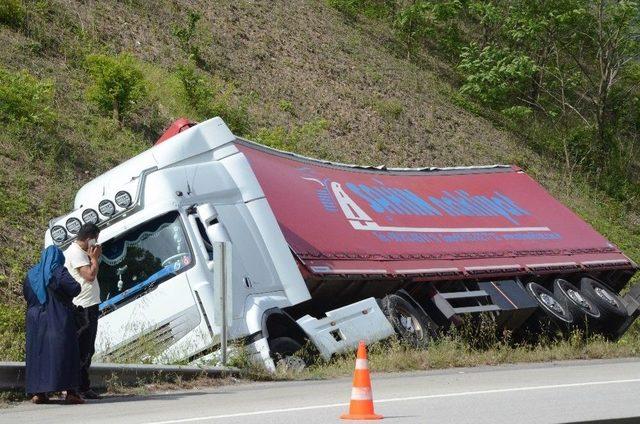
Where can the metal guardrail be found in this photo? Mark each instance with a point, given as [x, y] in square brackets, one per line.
[12, 374]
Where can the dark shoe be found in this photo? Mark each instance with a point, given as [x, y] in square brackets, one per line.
[40, 398]
[90, 394]
[73, 399]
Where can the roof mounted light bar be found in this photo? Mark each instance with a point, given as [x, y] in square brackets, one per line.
[63, 235]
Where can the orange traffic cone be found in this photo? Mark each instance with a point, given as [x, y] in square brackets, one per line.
[361, 406]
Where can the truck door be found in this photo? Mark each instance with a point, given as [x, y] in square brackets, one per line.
[147, 304]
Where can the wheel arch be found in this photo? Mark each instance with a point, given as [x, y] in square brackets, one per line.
[277, 323]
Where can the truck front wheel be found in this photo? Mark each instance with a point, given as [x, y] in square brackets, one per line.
[410, 324]
[283, 351]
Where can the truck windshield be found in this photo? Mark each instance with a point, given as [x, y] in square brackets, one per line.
[142, 258]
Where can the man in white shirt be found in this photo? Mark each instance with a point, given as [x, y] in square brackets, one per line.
[82, 259]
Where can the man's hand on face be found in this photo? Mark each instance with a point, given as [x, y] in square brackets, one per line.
[95, 252]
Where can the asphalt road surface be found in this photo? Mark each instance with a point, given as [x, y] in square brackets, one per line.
[563, 392]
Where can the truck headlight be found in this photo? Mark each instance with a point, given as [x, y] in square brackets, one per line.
[123, 199]
[90, 216]
[107, 208]
[73, 225]
[58, 234]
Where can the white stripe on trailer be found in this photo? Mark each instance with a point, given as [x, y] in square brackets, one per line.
[427, 270]
[356, 271]
[373, 226]
[552, 264]
[607, 262]
[491, 267]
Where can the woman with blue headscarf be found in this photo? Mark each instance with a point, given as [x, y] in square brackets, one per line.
[52, 353]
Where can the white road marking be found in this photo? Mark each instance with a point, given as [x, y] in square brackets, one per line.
[399, 399]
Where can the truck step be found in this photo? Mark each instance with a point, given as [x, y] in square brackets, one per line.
[464, 294]
[480, 308]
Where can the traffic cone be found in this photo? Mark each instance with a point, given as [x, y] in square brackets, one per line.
[361, 406]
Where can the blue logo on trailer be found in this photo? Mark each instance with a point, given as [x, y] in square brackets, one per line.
[403, 201]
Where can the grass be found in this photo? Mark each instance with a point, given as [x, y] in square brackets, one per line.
[10, 397]
[166, 382]
[454, 351]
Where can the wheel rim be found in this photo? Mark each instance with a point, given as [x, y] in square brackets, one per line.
[577, 298]
[410, 325]
[552, 303]
[585, 305]
[604, 295]
[549, 303]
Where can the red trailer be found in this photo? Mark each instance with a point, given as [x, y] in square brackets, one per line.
[446, 241]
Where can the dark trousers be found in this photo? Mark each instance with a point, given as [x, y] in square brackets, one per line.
[87, 320]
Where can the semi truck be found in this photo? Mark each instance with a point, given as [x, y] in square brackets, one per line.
[209, 238]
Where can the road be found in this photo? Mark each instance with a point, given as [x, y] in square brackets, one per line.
[563, 392]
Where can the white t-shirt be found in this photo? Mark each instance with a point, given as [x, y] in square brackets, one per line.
[76, 258]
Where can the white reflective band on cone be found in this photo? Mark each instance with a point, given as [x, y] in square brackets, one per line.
[360, 393]
[362, 364]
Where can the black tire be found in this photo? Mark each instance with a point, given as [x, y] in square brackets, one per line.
[284, 346]
[586, 315]
[412, 325]
[613, 311]
[551, 317]
[283, 352]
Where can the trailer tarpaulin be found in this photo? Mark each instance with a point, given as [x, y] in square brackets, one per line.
[341, 219]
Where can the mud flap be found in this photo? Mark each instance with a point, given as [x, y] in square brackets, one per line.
[632, 302]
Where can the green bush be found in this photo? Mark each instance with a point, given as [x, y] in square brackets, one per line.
[12, 333]
[25, 100]
[493, 74]
[119, 87]
[389, 109]
[349, 8]
[517, 112]
[12, 13]
[26, 109]
[428, 20]
[186, 36]
[209, 97]
[286, 106]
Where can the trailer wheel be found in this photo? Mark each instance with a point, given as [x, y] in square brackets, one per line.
[283, 352]
[612, 309]
[552, 317]
[410, 324]
[585, 313]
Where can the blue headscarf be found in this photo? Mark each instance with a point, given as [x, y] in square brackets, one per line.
[40, 275]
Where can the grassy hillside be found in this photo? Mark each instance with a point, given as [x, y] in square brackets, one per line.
[298, 75]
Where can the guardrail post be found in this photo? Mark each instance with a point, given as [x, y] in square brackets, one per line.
[222, 292]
